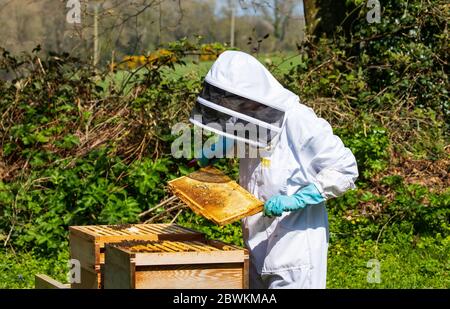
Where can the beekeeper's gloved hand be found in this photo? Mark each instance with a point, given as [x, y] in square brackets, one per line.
[278, 204]
[222, 146]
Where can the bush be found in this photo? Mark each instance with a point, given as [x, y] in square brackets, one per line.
[75, 152]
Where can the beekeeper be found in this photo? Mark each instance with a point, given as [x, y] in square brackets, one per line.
[299, 165]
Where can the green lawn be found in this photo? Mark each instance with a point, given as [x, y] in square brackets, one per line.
[17, 270]
[400, 266]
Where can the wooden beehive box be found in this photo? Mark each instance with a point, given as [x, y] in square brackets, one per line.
[176, 265]
[87, 245]
[215, 196]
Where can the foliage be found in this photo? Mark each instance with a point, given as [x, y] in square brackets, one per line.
[78, 153]
[393, 74]
[408, 211]
[210, 52]
[370, 147]
[17, 270]
[97, 189]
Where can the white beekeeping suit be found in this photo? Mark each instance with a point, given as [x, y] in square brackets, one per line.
[300, 149]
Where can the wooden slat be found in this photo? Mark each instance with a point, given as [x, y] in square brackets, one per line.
[175, 258]
[163, 247]
[202, 247]
[79, 231]
[154, 229]
[46, 282]
[178, 246]
[103, 234]
[149, 248]
[101, 231]
[246, 274]
[181, 245]
[174, 246]
[192, 252]
[217, 276]
[223, 246]
[97, 230]
[119, 269]
[150, 237]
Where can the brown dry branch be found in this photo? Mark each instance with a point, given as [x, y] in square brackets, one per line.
[167, 210]
[166, 213]
[170, 205]
[167, 201]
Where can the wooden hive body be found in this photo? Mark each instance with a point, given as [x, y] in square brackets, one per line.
[176, 265]
[87, 245]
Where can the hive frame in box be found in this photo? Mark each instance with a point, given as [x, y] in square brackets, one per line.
[202, 269]
[87, 245]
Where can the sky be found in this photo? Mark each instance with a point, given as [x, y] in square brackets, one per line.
[250, 10]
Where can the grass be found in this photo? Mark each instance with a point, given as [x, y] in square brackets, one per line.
[401, 266]
[17, 270]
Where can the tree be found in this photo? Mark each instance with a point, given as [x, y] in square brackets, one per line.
[310, 10]
[283, 17]
[279, 13]
[323, 17]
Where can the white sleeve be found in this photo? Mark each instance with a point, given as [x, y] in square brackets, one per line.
[332, 166]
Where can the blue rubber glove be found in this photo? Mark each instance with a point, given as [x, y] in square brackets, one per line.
[224, 144]
[278, 204]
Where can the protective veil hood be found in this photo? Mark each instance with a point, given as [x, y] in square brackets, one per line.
[238, 89]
